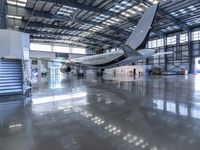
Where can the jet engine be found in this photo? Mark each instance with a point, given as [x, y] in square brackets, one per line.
[65, 69]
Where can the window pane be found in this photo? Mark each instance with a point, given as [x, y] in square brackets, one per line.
[171, 40]
[183, 38]
[150, 44]
[196, 35]
[78, 50]
[154, 43]
[160, 42]
[61, 49]
[195, 112]
[40, 47]
[183, 110]
[171, 107]
[159, 104]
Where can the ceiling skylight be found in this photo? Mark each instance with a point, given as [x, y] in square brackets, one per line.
[192, 8]
[112, 20]
[21, 3]
[85, 34]
[14, 17]
[153, 1]
[100, 18]
[85, 26]
[138, 8]
[174, 14]
[96, 28]
[130, 29]
[66, 10]
[182, 11]
[118, 7]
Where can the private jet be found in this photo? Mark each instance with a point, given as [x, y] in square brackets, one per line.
[132, 51]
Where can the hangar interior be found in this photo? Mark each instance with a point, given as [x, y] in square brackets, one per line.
[47, 101]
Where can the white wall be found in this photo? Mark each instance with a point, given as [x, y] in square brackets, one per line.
[127, 70]
[44, 55]
[14, 44]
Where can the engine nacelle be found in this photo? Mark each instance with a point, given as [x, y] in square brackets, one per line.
[65, 69]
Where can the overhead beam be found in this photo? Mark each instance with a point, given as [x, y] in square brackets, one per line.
[79, 6]
[50, 40]
[91, 8]
[54, 39]
[26, 12]
[85, 40]
[176, 21]
[22, 24]
[37, 25]
[60, 42]
[89, 40]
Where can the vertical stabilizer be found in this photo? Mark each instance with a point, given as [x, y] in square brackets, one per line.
[139, 36]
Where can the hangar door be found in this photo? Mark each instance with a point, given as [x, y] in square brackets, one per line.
[11, 76]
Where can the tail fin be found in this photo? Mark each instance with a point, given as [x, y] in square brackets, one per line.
[140, 35]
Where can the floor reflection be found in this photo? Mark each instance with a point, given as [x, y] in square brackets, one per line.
[154, 113]
[55, 98]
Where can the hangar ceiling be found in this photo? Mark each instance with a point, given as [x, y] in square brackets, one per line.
[96, 24]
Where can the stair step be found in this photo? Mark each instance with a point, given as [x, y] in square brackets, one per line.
[11, 72]
[10, 78]
[6, 92]
[10, 67]
[10, 84]
[10, 87]
[10, 81]
[10, 75]
[10, 64]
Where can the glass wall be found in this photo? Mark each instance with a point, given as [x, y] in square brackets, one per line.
[196, 35]
[155, 43]
[61, 49]
[40, 47]
[171, 40]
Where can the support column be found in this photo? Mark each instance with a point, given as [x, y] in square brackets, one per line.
[2, 14]
[165, 50]
[190, 53]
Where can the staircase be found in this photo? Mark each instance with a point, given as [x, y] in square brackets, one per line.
[11, 76]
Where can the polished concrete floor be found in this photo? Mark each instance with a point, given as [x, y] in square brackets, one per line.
[113, 113]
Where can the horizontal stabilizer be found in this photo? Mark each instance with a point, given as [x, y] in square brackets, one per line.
[129, 51]
[162, 53]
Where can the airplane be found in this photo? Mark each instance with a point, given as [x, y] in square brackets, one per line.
[133, 50]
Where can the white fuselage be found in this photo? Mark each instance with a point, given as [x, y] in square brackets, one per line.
[110, 58]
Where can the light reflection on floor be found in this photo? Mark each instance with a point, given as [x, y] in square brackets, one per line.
[55, 98]
[154, 113]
